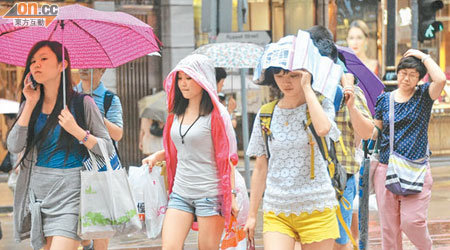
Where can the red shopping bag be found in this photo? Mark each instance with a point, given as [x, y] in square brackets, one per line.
[235, 237]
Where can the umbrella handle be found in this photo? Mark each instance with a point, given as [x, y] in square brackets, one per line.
[64, 65]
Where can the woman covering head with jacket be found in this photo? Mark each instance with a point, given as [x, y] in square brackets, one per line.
[199, 145]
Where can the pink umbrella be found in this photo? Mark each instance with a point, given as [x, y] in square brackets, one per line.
[94, 39]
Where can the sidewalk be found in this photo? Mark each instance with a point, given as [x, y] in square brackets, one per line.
[438, 224]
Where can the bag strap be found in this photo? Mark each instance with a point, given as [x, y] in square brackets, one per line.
[265, 119]
[329, 155]
[107, 100]
[391, 121]
[104, 155]
[346, 228]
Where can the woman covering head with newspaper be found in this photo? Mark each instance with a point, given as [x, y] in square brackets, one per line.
[199, 145]
[299, 200]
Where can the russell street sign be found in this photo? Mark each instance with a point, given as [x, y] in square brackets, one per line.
[257, 37]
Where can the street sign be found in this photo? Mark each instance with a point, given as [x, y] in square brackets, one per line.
[257, 37]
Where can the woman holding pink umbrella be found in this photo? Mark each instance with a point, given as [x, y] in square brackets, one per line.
[54, 140]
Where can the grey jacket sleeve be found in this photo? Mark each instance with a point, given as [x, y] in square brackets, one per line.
[96, 125]
[17, 137]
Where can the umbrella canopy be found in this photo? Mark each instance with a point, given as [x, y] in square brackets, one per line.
[232, 55]
[233, 83]
[154, 107]
[368, 81]
[94, 39]
[8, 106]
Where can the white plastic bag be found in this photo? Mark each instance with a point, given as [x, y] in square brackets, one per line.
[137, 178]
[155, 198]
[241, 198]
[107, 207]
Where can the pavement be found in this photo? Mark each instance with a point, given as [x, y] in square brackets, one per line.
[438, 220]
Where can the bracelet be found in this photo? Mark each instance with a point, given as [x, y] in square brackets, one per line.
[233, 192]
[85, 137]
[425, 58]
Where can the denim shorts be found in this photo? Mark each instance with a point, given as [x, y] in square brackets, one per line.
[203, 207]
[349, 194]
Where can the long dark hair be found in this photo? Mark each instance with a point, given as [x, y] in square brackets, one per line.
[180, 103]
[66, 140]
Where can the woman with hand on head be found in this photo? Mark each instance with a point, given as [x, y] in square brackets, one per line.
[199, 145]
[358, 41]
[54, 140]
[412, 111]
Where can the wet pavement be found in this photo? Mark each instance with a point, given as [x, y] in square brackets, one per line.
[438, 224]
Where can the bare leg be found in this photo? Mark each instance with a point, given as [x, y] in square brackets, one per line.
[64, 243]
[85, 243]
[347, 246]
[355, 228]
[101, 244]
[275, 241]
[210, 231]
[322, 245]
[48, 243]
[175, 229]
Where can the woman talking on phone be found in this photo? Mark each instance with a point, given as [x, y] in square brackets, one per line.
[54, 140]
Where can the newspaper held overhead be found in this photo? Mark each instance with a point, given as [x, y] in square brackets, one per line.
[292, 53]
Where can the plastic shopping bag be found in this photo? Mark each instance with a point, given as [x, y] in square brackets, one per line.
[155, 199]
[235, 237]
[107, 207]
[137, 178]
[241, 198]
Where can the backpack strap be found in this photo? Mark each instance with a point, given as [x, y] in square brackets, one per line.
[265, 119]
[346, 228]
[107, 100]
[329, 155]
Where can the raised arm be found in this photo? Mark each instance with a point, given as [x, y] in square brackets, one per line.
[437, 76]
[361, 122]
[319, 118]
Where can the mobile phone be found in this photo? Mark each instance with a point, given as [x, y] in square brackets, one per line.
[33, 82]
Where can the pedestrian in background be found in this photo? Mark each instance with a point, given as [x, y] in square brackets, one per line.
[355, 123]
[412, 110]
[199, 143]
[111, 109]
[107, 102]
[230, 104]
[47, 197]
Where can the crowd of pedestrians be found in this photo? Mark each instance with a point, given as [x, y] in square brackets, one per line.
[290, 176]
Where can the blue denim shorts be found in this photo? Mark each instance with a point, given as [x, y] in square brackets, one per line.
[209, 206]
[349, 194]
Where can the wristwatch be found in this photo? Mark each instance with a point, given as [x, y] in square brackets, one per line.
[233, 192]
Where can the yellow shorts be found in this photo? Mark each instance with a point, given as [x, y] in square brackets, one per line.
[306, 228]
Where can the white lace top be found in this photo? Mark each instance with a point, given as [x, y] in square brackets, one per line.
[289, 189]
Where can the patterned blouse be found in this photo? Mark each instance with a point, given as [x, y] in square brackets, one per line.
[289, 189]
